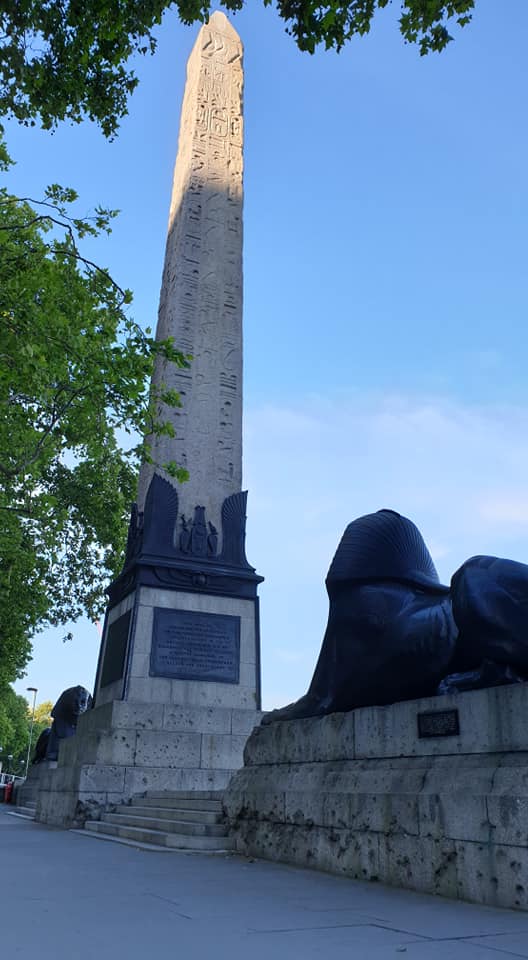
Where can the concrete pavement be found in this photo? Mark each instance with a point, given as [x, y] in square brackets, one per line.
[71, 897]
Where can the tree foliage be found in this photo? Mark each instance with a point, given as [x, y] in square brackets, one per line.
[15, 726]
[42, 716]
[69, 60]
[41, 721]
[333, 23]
[74, 380]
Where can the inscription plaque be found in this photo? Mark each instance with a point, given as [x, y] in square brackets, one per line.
[195, 646]
[438, 723]
[115, 650]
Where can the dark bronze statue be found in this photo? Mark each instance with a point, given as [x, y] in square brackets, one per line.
[396, 633]
[71, 704]
[490, 606]
[41, 746]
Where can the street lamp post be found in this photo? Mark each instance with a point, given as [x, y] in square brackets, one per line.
[34, 691]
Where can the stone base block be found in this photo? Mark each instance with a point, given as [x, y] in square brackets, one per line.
[125, 748]
[140, 680]
[361, 794]
[28, 791]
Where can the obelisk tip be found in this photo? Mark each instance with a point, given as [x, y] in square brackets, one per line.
[220, 22]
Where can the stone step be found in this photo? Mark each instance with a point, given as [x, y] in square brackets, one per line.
[213, 806]
[26, 813]
[155, 847]
[28, 809]
[184, 794]
[23, 801]
[170, 813]
[159, 838]
[168, 826]
[181, 842]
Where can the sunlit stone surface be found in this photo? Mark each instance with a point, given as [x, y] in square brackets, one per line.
[201, 296]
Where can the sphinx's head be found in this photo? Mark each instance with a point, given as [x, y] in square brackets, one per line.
[384, 546]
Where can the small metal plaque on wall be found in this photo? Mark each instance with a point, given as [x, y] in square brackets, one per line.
[438, 723]
[195, 646]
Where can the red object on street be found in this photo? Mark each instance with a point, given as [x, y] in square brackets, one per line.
[8, 792]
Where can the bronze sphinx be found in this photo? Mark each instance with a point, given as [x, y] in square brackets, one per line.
[396, 633]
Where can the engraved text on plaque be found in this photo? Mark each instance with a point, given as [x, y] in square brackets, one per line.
[195, 646]
[438, 723]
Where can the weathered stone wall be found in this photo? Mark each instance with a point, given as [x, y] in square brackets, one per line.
[124, 748]
[359, 794]
[28, 791]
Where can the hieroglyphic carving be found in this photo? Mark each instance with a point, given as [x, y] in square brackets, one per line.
[201, 297]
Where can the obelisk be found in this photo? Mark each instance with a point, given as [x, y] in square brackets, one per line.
[187, 541]
[178, 680]
[201, 296]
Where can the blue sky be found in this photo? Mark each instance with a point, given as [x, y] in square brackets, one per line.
[386, 291]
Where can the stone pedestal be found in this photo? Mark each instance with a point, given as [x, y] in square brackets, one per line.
[124, 748]
[177, 646]
[429, 794]
[177, 690]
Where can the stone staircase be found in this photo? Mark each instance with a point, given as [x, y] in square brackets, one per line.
[166, 820]
[24, 808]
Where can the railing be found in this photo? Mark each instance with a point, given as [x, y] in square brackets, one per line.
[10, 778]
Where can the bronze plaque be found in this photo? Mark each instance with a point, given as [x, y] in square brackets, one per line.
[115, 650]
[195, 646]
[438, 723]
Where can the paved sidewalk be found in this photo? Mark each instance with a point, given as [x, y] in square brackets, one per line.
[70, 897]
